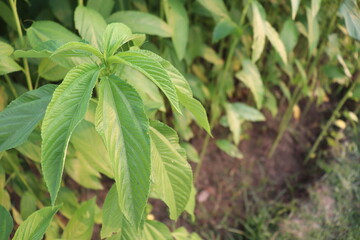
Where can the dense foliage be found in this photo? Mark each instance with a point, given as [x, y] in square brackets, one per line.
[87, 95]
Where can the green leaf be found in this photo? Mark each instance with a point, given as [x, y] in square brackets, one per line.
[45, 37]
[104, 7]
[350, 11]
[6, 223]
[190, 206]
[5, 199]
[113, 219]
[182, 124]
[270, 103]
[247, 113]
[5, 49]
[178, 21]
[149, 92]
[7, 15]
[63, 11]
[27, 204]
[217, 8]
[294, 7]
[197, 109]
[46, 49]
[275, 40]
[289, 35]
[66, 109]
[115, 35]
[41, 50]
[171, 173]
[191, 152]
[234, 121]
[22, 115]
[222, 29]
[34, 227]
[259, 32]
[81, 223]
[182, 234]
[90, 24]
[183, 91]
[155, 230]
[141, 22]
[69, 202]
[51, 71]
[82, 172]
[151, 69]
[180, 83]
[8, 65]
[313, 30]
[90, 147]
[72, 49]
[121, 121]
[229, 148]
[211, 56]
[31, 147]
[237, 113]
[42, 31]
[250, 76]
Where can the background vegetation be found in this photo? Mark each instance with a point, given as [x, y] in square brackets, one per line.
[279, 80]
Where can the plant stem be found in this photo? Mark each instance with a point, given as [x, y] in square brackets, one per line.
[285, 120]
[11, 86]
[81, 2]
[37, 82]
[332, 119]
[311, 69]
[201, 157]
[316, 60]
[219, 96]
[21, 36]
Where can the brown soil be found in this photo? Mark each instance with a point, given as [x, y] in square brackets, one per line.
[225, 183]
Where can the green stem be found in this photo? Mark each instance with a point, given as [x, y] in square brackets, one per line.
[217, 100]
[285, 120]
[21, 36]
[219, 96]
[332, 119]
[37, 82]
[202, 155]
[311, 69]
[314, 63]
[11, 86]
[81, 2]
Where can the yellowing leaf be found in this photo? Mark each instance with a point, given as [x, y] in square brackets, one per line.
[340, 123]
[276, 41]
[250, 76]
[296, 112]
[259, 32]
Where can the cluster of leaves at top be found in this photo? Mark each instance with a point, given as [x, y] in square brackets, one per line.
[143, 155]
